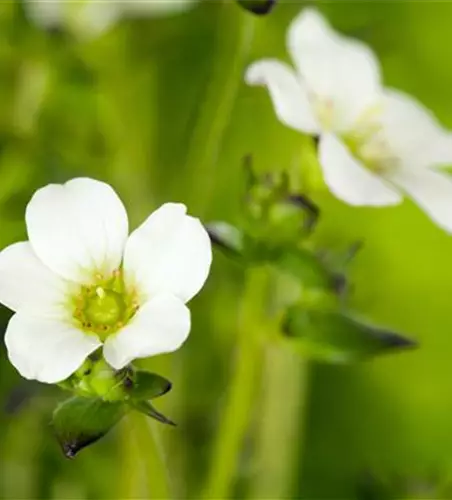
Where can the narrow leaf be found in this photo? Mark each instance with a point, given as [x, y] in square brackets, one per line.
[79, 422]
[143, 385]
[339, 338]
[146, 408]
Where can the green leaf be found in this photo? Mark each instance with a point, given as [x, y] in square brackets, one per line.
[79, 422]
[227, 237]
[337, 337]
[305, 266]
[259, 7]
[143, 385]
[146, 408]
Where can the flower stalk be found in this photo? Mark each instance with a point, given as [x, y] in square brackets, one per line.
[235, 34]
[242, 390]
[151, 455]
[279, 435]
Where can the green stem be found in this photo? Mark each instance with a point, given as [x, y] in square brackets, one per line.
[279, 434]
[235, 32]
[242, 390]
[152, 455]
[153, 482]
[129, 478]
[308, 175]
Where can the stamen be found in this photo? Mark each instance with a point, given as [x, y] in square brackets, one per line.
[105, 306]
[369, 144]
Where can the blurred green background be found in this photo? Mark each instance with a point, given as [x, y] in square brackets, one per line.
[158, 108]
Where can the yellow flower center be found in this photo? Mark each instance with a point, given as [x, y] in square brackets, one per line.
[366, 140]
[105, 306]
[368, 143]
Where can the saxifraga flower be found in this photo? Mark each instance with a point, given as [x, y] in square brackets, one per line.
[375, 144]
[81, 282]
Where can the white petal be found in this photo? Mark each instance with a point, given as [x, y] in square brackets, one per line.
[413, 132]
[288, 94]
[47, 349]
[152, 8]
[349, 180]
[431, 190]
[341, 72]
[78, 228]
[26, 284]
[44, 13]
[170, 252]
[92, 18]
[161, 325]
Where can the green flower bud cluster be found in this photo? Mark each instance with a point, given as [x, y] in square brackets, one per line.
[278, 229]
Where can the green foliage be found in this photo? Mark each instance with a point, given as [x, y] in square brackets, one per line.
[147, 409]
[336, 337]
[83, 420]
[140, 385]
[79, 422]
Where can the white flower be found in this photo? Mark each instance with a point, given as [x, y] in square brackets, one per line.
[375, 144]
[80, 281]
[93, 17]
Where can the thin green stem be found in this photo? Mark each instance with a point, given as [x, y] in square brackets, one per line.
[129, 478]
[242, 391]
[279, 434]
[152, 457]
[235, 33]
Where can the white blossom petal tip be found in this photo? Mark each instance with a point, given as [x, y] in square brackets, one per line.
[77, 229]
[349, 180]
[341, 72]
[26, 283]
[92, 18]
[431, 190]
[46, 349]
[289, 96]
[162, 325]
[170, 252]
[414, 132]
[311, 23]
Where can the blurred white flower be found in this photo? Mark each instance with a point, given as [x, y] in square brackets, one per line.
[375, 144]
[80, 281]
[90, 18]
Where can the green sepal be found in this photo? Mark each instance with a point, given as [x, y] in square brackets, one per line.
[147, 409]
[259, 7]
[227, 237]
[142, 385]
[307, 267]
[337, 337]
[79, 422]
